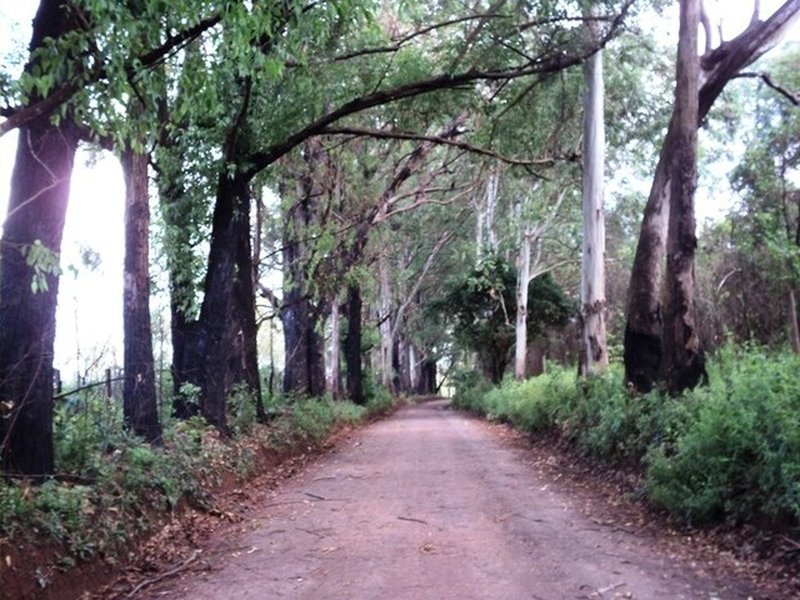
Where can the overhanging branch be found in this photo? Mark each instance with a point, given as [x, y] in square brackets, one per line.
[793, 97]
[407, 135]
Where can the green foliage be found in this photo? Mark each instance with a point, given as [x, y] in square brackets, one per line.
[44, 262]
[112, 486]
[482, 304]
[241, 407]
[730, 450]
[739, 456]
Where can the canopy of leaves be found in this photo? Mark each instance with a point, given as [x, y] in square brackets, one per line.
[482, 305]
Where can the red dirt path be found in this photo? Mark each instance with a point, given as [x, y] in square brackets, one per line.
[434, 504]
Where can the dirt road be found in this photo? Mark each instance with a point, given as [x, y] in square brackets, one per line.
[433, 504]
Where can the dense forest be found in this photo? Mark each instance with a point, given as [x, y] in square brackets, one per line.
[416, 197]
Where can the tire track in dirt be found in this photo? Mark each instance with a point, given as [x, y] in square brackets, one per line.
[430, 503]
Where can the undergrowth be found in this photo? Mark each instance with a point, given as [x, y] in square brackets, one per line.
[111, 487]
[726, 451]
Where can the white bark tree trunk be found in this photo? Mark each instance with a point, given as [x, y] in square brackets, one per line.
[794, 328]
[385, 326]
[521, 323]
[643, 331]
[334, 381]
[594, 352]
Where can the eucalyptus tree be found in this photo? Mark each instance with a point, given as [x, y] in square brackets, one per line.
[35, 221]
[594, 350]
[643, 333]
[684, 360]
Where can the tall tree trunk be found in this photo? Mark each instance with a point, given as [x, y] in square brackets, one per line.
[335, 383]
[37, 206]
[521, 323]
[217, 327]
[352, 346]
[427, 377]
[643, 329]
[794, 329]
[244, 322]
[413, 367]
[385, 325]
[185, 330]
[594, 351]
[684, 362]
[140, 405]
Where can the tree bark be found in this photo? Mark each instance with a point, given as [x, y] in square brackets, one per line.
[794, 328]
[594, 350]
[385, 326]
[244, 321]
[334, 383]
[217, 331]
[521, 323]
[140, 405]
[684, 362]
[37, 206]
[352, 346]
[643, 330]
[427, 377]
[304, 371]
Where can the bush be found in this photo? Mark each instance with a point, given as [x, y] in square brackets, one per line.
[112, 485]
[740, 456]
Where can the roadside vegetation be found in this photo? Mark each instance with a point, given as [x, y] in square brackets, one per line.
[112, 488]
[727, 451]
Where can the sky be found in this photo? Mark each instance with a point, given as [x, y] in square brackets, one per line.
[89, 319]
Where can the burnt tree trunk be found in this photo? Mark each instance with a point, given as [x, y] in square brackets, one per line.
[185, 331]
[352, 346]
[684, 363]
[304, 371]
[140, 406]
[37, 207]
[245, 313]
[218, 330]
[427, 377]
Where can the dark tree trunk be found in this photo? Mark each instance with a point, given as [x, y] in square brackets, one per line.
[140, 406]
[185, 331]
[218, 330]
[352, 346]
[427, 377]
[304, 371]
[36, 210]
[247, 330]
[396, 366]
[684, 363]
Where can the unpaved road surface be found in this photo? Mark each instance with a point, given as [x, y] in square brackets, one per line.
[434, 504]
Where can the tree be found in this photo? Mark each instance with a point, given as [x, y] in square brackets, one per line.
[643, 330]
[478, 305]
[140, 407]
[32, 238]
[594, 350]
[684, 361]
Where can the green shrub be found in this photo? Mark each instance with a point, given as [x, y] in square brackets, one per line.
[471, 388]
[241, 410]
[740, 455]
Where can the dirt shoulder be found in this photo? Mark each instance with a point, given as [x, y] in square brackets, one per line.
[432, 503]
